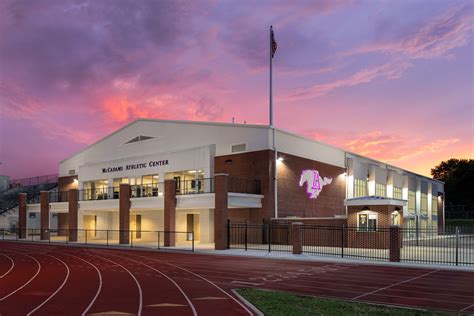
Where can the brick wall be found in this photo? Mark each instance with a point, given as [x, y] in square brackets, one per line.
[373, 240]
[66, 183]
[253, 166]
[293, 199]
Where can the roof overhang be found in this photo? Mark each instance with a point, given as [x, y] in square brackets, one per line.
[372, 200]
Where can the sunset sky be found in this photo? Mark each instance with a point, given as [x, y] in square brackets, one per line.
[392, 80]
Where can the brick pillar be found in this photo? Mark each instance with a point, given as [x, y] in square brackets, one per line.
[124, 213]
[73, 214]
[170, 213]
[22, 216]
[221, 211]
[44, 213]
[297, 238]
[395, 243]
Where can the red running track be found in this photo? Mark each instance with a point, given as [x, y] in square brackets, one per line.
[54, 279]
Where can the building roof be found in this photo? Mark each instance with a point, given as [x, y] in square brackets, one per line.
[247, 126]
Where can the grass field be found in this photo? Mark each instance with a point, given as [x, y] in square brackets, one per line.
[460, 222]
[279, 303]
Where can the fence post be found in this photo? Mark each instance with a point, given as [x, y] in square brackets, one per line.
[270, 236]
[228, 233]
[193, 239]
[395, 238]
[86, 236]
[158, 240]
[296, 238]
[131, 238]
[246, 231]
[107, 234]
[457, 245]
[342, 239]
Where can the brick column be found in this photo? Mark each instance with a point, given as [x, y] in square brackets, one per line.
[22, 216]
[297, 238]
[124, 213]
[221, 211]
[73, 210]
[44, 213]
[395, 243]
[170, 213]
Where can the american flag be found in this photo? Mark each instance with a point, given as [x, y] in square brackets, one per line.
[274, 43]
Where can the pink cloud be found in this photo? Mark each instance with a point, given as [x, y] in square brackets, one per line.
[392, 70]
[449, 30]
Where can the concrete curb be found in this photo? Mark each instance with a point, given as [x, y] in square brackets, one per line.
[247, 303]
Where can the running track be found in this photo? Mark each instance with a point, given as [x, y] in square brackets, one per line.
[50, 280]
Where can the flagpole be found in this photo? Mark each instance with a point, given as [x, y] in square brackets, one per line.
[275, 161]
[271, 77]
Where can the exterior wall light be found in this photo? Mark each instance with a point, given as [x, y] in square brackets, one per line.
[280, 159]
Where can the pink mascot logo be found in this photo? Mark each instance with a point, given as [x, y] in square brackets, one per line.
[314, 182]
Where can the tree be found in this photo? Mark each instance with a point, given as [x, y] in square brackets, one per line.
[458, 176]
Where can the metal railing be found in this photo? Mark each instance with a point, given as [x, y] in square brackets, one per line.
[454, 246]
[147, 190]
[105, 193]
[51, 178]
[196, 186]
[178, 240]
[58, 196]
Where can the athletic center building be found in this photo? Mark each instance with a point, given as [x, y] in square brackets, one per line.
[158, 175]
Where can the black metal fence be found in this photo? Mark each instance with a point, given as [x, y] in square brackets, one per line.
[454, 246]
[107, 238]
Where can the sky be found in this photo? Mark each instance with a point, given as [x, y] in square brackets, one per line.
[392, 80]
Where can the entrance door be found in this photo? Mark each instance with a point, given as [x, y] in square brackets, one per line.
[136, 225]
[192, 225]
[90, 224]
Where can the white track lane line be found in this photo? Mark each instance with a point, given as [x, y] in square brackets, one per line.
[395, 284]
[140, 305]
[31, 279]
[203, 278]
[11, 268]
[100, 283]
[191, 305]
[57, 290]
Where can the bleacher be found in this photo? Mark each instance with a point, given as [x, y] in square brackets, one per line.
[9, 198]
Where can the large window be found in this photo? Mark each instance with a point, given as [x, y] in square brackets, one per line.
[397, 193]
[95, 190]
[367, 221]
[434, 206]
[411, 202]
[380, 190]
[424, 204]
[395, 218]
[360, 188]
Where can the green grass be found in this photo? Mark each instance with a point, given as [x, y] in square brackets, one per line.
[460, 222]
[278, 303]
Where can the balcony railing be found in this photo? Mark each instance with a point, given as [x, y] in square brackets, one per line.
[58, 196]
[197, 186]
[147, 190]
[105, 193]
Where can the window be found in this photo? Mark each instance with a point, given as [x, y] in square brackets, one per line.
[32, 215]
[238, 148]
[72, 172]
[380, 190]
[411, 202]
[424, 204]
[367, 221]
[395, 218]
[397, 193]
[434, 206]
[139, 139]
[360, 188]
